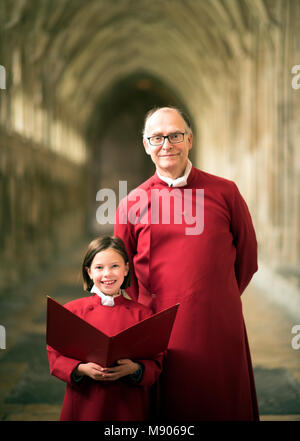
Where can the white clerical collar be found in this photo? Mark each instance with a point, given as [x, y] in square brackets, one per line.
[105, 299]
[179, 182]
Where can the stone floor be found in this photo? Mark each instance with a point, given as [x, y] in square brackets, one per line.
[29, 393]
[276, 364]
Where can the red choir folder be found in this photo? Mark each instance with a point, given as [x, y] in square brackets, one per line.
[75, 338]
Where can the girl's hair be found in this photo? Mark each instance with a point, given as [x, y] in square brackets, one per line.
[101, 244]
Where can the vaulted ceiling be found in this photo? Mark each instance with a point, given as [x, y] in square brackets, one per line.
[76, 50]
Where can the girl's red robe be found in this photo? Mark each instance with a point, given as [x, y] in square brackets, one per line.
[208, 371]
[121, 400]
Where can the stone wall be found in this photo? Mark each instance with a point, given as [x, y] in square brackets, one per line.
[250, 133]
[42, 208]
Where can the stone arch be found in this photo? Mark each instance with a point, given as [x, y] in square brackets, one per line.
[115, 132]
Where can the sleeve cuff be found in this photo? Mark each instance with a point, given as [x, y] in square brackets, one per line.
[137, 376]
[76, 378]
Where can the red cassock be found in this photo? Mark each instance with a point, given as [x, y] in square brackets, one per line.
[208, 372]
[121, 400]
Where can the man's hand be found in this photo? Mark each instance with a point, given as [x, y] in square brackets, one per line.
[99, 373]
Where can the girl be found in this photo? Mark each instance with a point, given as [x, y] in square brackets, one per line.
[121, 392]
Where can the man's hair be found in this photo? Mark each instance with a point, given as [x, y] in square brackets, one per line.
[96, 246]
[155, 109]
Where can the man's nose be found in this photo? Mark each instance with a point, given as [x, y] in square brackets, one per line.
[166, 144]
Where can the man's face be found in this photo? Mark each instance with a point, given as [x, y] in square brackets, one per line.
[170, 159]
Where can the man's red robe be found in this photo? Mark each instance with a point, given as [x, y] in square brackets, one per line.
[208, 372]
[120, 400]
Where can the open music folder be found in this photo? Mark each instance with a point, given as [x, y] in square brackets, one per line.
[75, 338]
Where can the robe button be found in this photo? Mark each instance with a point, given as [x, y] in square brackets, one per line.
[91, 308]
[153, 295]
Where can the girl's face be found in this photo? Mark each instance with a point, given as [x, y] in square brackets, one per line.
[108, 270]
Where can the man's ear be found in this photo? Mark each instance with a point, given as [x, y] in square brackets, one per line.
[190, 140]
[147, 147]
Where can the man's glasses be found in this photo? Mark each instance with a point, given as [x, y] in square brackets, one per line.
[173, 138]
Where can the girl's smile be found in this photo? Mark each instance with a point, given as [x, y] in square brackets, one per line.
[107, 271]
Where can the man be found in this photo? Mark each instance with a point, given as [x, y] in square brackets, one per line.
[208, 372]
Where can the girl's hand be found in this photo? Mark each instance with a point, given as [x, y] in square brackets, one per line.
[92, 370]
[125, 367]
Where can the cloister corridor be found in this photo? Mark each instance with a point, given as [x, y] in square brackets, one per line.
[76, 80]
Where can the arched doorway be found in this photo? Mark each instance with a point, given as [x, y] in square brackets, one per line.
[115, 134]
